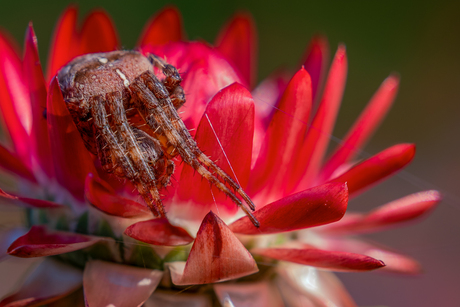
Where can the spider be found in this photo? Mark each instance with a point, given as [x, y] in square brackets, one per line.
[128, 118]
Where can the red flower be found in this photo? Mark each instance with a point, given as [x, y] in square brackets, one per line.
[272, 142]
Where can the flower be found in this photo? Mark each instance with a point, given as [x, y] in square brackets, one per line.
[272, 142]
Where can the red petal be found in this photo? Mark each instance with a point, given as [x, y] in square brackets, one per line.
[394, 262]
[370, 171]
[65, 42]
[29, 202]
[159, 232]
[111, 284]
[50, 281]
[98, 34]
[7, 237]
[225, 134]
[283, 138]
[33, 75]
[331, 260]
[238, 43]
[303, 285]
[316, 59]
[364, 126]
[320, 130]
[14, 98]
[395, 212]
[102, 196]
[164, 27]
[248, 294]
[14, 164]
[38, 242]
[313, 207]
[216, 255]
[72, 161]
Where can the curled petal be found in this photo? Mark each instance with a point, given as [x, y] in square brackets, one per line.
[72, 161]
[111, 284]
[38, 242]
[302, 286]
[29, 202]
[370, 171]
[64, 45]
[313, 207]
[316, 59]
[7, 237]
[228, 120]
[364, 126]
[14, 164]
[14, 98]
[50, 281]
[318, 135]
[102, 196]
[331, 260]
[159, 232]
[237, 41]
[35, 80]
[164, 27]
[283, 138]
[395, 212]
[248, 294]
[216, 255]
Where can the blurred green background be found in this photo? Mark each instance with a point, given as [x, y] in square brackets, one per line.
[418, 39]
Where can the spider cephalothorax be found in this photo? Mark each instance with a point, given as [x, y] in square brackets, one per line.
[128, 118]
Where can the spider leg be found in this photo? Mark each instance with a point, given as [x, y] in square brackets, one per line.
[106, 136]
[156, 107]
[146, 175]
[171, 82]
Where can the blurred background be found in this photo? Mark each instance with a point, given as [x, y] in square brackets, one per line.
[418, 39]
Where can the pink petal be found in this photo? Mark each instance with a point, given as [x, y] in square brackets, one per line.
[111, 284]
[378, 167]
[179, 299]
[14, 98]
[64, 45]
[225, 134]
[316, 59]
[72, 161]
[364, 126]
[216, 255]
[283, 137]
[38, 242]
[166, 26]
[50, 281]
[29, 202]
[248, 294]
[303, 286]
[313, 207]
[98, 34]
[320, 130]
[388, 215]
[159, 232]
[33, 75]
[331, 260]
[237, 41]
[102, 196]
[14, 164]
[394, 261]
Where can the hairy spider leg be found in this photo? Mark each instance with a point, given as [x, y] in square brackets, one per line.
[157, 109]
[172, 84]
[106, 135]
[115, 103]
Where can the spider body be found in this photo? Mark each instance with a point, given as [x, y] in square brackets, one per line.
[128, 118]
